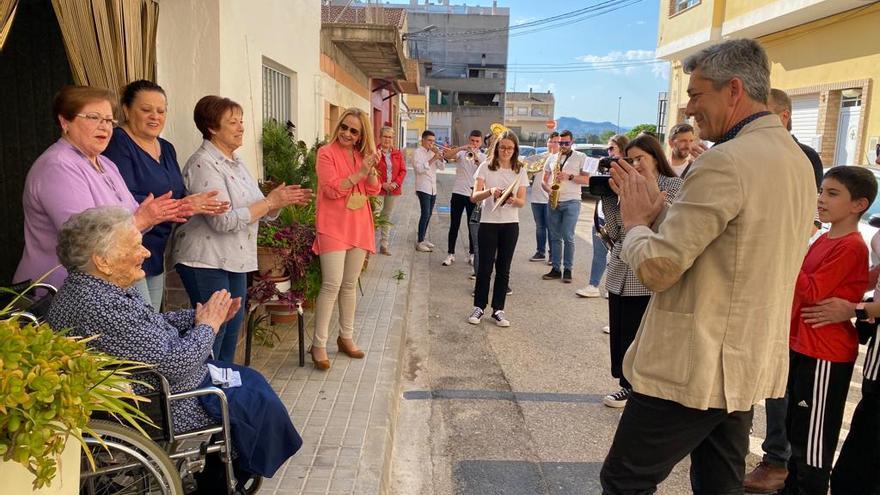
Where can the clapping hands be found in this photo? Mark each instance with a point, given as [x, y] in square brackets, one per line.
[641, 200]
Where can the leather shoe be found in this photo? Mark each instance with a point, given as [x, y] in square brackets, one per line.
[321, 364]
[766, 478]
[384, 250]
[349, 351]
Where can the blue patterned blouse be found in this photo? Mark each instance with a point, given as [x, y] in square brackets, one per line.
[128, 327]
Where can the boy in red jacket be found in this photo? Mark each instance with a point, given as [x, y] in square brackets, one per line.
[822, 359]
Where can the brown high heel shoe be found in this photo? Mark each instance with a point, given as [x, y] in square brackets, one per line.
[321, 364]
[348, 351]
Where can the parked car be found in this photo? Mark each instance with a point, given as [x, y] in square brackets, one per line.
[526, 151]
[540, 149]
[594, 151]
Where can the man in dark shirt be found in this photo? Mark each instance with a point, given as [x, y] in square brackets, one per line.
[780, 104]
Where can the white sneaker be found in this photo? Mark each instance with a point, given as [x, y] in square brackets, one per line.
[449, 260]
[588, 291]
[430, 244]
[474, 318]
[423, 247]
[606, 329]
[617, 399]
[473, 276]
[499, 318]
[471, 260]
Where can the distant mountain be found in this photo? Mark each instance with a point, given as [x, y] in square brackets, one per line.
[580, 127]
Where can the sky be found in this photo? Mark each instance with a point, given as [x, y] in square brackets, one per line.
[626, 34]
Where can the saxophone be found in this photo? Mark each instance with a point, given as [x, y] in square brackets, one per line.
[554, 188]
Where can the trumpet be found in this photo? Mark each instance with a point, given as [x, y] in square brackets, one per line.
[470, 155]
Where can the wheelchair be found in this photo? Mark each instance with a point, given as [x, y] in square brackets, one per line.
[126, 461]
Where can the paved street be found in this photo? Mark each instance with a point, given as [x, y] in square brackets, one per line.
[468, 409]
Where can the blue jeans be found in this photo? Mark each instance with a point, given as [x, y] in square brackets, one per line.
[600, 259]
[541, 212]
[562, 222]
[426, 204]
[200, 284]
[776, 448]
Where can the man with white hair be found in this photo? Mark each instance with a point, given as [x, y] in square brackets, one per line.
[722, 261]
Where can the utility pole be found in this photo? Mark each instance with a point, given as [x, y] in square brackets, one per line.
[618, 113]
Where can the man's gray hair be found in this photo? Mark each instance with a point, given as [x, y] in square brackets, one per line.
[88, 233]
[385, 129]
[744, 59]
[779, 98]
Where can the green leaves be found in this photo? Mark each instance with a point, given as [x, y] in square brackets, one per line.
[49, 386]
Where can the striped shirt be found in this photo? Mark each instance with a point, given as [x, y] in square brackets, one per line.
[620, 279]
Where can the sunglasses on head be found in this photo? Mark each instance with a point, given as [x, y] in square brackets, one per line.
[564, 143]
[350, 130]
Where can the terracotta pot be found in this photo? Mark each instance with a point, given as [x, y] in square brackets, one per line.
[269, 261]
[281, 313]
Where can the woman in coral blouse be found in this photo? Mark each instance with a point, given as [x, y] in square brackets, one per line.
[346, 178]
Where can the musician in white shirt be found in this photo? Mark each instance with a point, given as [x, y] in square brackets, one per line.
[427, 158]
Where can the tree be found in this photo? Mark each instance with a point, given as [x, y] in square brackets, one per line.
[605, 135]
[594, 139]
[641, 127]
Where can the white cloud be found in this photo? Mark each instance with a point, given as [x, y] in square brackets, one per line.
[640, 23]
[541, 86]
[615, 61]
[661, 71]
[523, 20]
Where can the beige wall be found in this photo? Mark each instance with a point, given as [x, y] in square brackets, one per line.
[219, 46]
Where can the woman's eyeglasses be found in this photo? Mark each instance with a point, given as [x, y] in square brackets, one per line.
[95, 119]
[351, 130]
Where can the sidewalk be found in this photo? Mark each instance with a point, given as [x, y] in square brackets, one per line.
[346, 414]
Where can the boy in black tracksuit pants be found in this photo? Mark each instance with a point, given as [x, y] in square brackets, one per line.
[823, 355]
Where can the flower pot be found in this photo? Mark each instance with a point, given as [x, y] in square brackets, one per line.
[269, 261]
[281, 313]
[17, 479]
[282, 283]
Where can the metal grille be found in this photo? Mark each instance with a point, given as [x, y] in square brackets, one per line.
[276, 95]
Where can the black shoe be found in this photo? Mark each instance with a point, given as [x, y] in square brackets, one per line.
[509, 291]
[566, 276]
[537, 257]
[552, 274]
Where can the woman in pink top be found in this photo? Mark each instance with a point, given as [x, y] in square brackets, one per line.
[346, 178]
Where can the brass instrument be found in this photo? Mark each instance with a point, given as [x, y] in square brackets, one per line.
[535, 166]
[470, 155]
[554, 188]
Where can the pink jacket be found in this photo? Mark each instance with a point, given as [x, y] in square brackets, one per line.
[338, 226]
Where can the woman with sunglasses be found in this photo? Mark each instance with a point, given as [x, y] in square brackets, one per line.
[499, 225]
[72, 176]
[216, 252]
[347, 177]
[627, 297]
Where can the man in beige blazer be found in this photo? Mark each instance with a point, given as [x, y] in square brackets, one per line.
[722, 261]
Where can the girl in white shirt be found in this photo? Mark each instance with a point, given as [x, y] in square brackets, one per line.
[499, 227]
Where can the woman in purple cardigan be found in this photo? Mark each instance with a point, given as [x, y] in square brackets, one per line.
[71, 176]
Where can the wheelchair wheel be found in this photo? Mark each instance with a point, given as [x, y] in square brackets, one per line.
[130, 464]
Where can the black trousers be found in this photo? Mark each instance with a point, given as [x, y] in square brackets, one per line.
[624, 317]
[655, 434]
[858, 467]
[816, 398]
[496, 242]
[458, 204]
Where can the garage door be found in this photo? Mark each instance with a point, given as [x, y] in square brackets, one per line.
[804, 119]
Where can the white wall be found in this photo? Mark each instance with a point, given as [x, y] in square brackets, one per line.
[218, 46]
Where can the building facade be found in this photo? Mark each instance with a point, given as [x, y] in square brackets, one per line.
[823, 53]
[462, 51]
[527, 114]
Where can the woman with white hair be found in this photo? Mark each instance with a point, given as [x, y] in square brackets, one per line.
[102, 250]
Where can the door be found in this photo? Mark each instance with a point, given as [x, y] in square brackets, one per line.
[847, 131]
[804, 119]
[33, 67]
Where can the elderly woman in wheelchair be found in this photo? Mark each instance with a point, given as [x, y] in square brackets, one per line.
[101, 249]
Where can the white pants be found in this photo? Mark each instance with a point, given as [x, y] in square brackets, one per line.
[339, 275]
[386, 202]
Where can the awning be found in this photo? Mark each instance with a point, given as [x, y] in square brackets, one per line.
[377, 50]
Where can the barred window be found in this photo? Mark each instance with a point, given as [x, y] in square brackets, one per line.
[676, 6]
[276, 95]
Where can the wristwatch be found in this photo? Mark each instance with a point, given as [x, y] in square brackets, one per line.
[861, 314]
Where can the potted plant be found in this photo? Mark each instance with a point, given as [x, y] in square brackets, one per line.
[50, 384]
